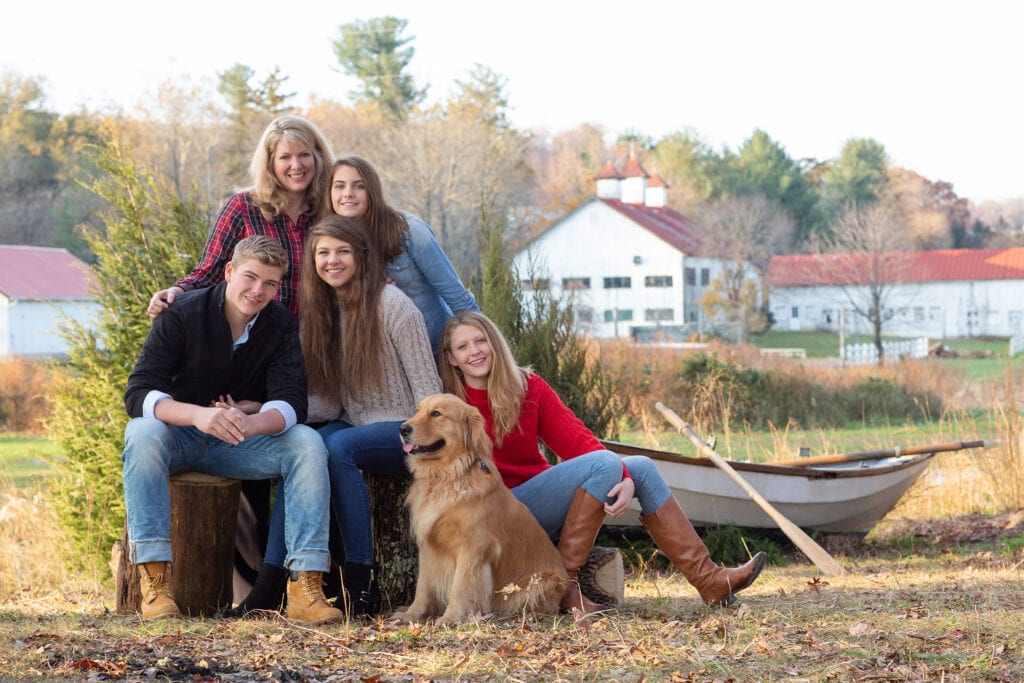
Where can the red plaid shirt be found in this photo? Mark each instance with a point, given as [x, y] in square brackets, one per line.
[239, 218]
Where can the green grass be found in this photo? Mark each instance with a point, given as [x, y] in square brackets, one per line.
[972, 369]
[826, 345]
[21, 459]
[817, 344]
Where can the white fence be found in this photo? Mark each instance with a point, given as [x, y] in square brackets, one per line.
[1016, 344]
[863, 354]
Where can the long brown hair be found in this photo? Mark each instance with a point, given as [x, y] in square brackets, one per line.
[265, 189]
[341, 353]
[387, 226]
[506, 384]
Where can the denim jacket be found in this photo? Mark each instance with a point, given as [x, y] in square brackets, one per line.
[427, 277]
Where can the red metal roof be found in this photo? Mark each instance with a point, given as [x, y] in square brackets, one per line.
[609, 171]
[633, 169]
[804, 270]
[666, 223]
[42, 273]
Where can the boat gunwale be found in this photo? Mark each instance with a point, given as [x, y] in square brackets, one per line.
[810, 472]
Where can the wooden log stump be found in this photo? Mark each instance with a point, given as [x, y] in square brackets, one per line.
[204, 512]
[602, 578]
[394, 547]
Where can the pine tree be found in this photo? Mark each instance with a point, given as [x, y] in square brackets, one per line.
[149, 239]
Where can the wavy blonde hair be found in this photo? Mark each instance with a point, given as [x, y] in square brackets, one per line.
[506, 385]
[265, 190]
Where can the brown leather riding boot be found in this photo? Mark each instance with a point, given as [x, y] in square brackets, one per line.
[157, 601]
[584, 520]
[676, 537]
[306, 601]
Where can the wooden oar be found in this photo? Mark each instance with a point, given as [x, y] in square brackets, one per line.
[818, 555]
[885, 453]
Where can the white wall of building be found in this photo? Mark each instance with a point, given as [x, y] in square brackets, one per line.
[31, 328]
[939, 310]
[597, 242]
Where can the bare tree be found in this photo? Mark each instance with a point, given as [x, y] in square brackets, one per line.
[179, 132]
[867, 257]
[744, 231]
[444, 170]
[564, 166]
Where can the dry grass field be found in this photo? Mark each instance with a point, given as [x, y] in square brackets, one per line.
[926, 599]
[934, 593]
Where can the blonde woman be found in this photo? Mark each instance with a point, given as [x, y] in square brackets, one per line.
[571, 498]
[289, 173]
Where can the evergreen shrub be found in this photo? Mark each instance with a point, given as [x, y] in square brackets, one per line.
[148, 238]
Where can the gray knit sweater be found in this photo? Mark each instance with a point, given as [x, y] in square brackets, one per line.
[409, 369]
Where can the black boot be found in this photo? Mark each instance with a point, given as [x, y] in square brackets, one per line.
[361, 597]
[266, 593]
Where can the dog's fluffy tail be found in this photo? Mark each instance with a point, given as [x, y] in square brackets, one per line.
[539, 594]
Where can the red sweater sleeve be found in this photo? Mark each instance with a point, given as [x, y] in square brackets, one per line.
[543, 416]
[558, 427]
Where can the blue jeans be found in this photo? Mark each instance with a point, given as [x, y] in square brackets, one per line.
[373, 448]
[549, 494]
[154, 450]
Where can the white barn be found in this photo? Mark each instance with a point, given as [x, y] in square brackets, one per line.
[38, 287]
[633, 266]
[942, 294]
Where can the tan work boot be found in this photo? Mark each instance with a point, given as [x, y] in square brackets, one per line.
[306, 601]
[157, 601]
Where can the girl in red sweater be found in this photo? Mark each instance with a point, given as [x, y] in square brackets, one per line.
[570, 499]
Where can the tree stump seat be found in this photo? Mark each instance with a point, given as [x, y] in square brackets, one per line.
[204, 510]
[204, 519]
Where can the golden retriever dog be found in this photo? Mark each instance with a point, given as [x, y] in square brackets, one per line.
[480, 550]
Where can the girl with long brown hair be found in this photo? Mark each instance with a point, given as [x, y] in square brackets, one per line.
[368, 363]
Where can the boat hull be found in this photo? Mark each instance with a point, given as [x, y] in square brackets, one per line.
[847, 498]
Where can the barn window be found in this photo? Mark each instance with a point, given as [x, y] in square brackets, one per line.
[657, 315]
[658, 281]
[575, 283]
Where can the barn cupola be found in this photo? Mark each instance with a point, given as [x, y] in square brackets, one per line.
[609, 182]
[634, 181]
[657, 191]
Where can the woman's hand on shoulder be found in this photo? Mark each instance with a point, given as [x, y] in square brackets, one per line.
[161, 300]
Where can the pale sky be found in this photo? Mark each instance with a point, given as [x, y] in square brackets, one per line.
[938, 83]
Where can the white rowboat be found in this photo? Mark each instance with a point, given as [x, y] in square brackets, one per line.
[846, 497]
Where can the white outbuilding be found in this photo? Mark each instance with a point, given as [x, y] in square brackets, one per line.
[39, 286]
[632, 266]
[942, 294]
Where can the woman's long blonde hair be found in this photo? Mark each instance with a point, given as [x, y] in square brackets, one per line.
[339, 355]
[266, 191]
[506, 385]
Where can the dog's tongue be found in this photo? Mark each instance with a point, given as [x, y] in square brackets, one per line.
[407, 447]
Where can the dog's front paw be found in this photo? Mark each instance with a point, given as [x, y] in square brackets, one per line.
[409, 615]
[456, 617]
